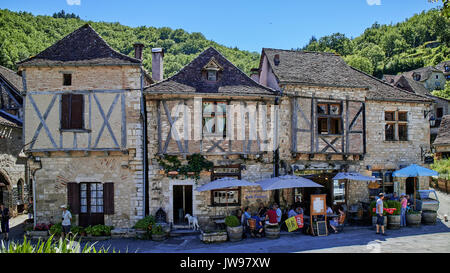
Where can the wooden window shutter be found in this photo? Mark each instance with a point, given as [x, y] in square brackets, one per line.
[65, 111]
[73, 197]
[76, 112]
[108, 198]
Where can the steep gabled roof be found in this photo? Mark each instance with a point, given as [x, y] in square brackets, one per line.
[191, 79]
[424, 72]
[443, 136]
[14, 81]
[441, 66]
[84, 46]
[329, 69]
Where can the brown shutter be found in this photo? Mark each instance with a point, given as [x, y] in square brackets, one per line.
[108, 198]
[73, 197]
[65, 111]
[76, 112]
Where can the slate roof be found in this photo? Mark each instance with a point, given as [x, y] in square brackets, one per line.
[13, 80]
[190, 79]
[329, 69]
[84, 46]
[9, 121]
[425, 72]
[443, 136]
[441, 67]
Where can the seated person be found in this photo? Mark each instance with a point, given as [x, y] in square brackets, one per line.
[329, 210]
[262, 210]
[271, 217]
[259, 229]
[292, 212]
[335, 222]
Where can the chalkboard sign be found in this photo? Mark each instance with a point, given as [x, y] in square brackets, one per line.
[321, 228]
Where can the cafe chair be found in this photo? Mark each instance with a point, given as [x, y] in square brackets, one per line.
[251, 223]
[341, 221]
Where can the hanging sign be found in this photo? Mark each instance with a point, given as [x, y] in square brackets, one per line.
[294, 222]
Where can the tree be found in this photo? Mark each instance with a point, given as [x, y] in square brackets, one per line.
[445, 93]
[360, 62]
[445, 10]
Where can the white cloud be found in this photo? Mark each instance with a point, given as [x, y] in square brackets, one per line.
[78, 2]
[373, 2]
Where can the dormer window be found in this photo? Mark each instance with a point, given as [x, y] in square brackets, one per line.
[416, 77]
[211, 71]
[212, 75]
[447, 68]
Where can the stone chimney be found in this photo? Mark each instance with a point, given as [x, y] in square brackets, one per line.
[157, 64]
[254, 74]
[276, 59]
[138, 48]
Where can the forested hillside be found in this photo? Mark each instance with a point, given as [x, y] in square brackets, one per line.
[422, 40]
[23, 35]
[389, 49]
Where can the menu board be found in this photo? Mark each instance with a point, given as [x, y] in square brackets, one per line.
[318, 204]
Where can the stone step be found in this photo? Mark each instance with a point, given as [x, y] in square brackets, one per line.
[183, 232]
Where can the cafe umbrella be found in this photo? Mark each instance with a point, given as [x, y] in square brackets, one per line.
[354, 176]
[414, 170]
[287, 182]
[226, 183]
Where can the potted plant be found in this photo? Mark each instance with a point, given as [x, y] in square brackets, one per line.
[234, 228]
[144, 227]
[158, 234]
[56, 230]
[393, 216]
[413, 217]
[372, 208]
[77, 230]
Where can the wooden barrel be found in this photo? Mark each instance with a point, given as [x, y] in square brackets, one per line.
[272, 232]
[429, 217]
[413, 219]
[235, 233]
[374, 222]
[393, 222]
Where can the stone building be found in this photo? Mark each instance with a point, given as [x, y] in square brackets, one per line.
[83, 130]
[334, 117]
[211, 108]
[442, 142]
[14, 183]
[445, 68]
[430, 77]
[440, 105]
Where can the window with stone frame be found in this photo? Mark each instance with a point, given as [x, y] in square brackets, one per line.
[214, 118]
[396, 126]
[329, 119]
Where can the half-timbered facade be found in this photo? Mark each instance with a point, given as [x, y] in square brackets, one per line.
[83, 130]
[334, 118]
[210, 108]
[14, 183]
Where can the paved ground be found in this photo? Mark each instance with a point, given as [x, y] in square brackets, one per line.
[434, 238]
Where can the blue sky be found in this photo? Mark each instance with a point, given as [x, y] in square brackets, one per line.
[247, 24]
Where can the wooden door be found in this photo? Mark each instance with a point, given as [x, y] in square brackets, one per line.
[182, 202]
[91, 204]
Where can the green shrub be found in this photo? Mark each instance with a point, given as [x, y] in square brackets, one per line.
[158, 230]
[56, 229]
[412, 211]
[99, 230]
[76, 230]
[61, 246]
[145, 223]
[373, 205]
[232, 221]
[392, 204]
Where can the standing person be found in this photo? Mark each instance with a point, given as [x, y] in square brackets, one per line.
[380, 217]
[279, 213]
[30, 208]
[394, 197]
[404, 203]
[271, 216]
[66, 221]
[409, 203]
[5, 214]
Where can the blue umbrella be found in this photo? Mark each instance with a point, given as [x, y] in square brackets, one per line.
[354, 176]
[225, 182]
[287, 182]
[414, 170]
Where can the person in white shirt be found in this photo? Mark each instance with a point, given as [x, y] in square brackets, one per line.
[278, 210]
[66, 218]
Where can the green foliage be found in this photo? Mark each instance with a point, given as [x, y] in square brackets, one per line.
[169, 162]
[412, 211]
[56, 229]
[145, 223]
[392, 48]
[99, 230]
[158, 230]
[61, 246]
[445, 93]
[195, 164]
[442, 166]
[373, 205]
[23, 35]
[393, 204]
[232, 221]
[77, 230]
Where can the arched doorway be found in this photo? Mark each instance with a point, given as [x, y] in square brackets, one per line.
[4, 189]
